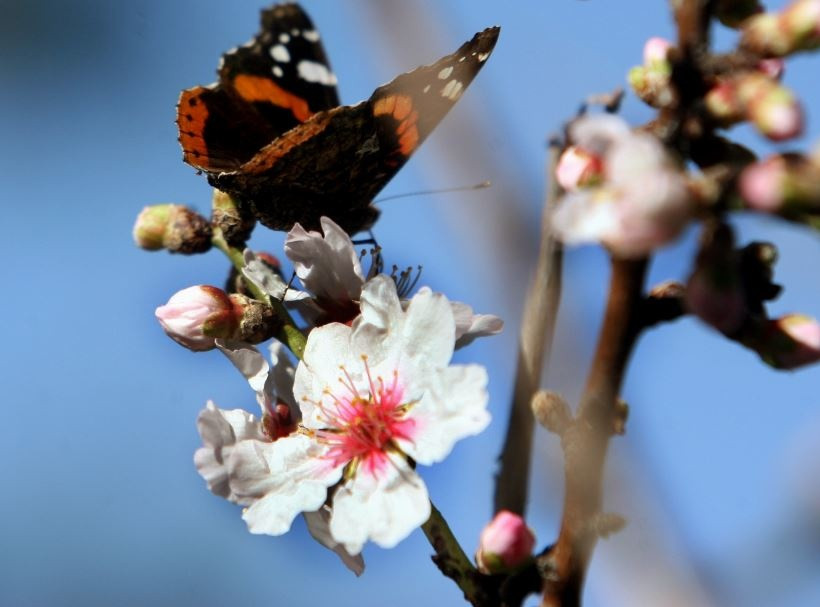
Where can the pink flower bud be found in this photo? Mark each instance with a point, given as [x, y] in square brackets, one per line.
[802, 22]
[655, 50]
[505, 544]
[762, 184]
[791, 341]
[195, 316]
[577, 168]
[777, 114]
[763, 34]
[773, 68]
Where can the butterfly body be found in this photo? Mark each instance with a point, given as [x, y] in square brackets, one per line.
[272, 134]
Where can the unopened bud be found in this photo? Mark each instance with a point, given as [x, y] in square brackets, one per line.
[195, 316]
[790, 342]
[651, 81]
[797, 28]
[773, 68]
[235, 222]
[506, 543]
[173, 227]
[578, 168]
[551, 411]
[783, 183]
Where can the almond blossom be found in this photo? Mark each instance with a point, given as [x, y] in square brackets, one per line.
[643, 201]
[376, 398]
[227, 434]
[331, 271]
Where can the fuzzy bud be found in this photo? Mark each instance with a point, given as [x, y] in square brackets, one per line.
[506, 543]
[789, 342]
[173, 227]
[797, 28]
[783, 183]
[578, 167]
[235, 223]
[651, 80]
[551, 411]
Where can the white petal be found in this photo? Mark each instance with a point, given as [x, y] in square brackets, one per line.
[220, 431]
[587, 215]
[453, 406]
[281, 376]
[262, 276]
[286, 477]
[327, 348]
[318, 523]
[429, 329]
[597, 132]
[470, 326]
[253, 366]
[384, 509]
[380, 303]
[328, 266]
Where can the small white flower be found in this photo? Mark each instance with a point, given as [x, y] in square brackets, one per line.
[643, 201]
[329, 268]
[373, 396]
[230, 460]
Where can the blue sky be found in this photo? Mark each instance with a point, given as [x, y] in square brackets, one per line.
[101, 503]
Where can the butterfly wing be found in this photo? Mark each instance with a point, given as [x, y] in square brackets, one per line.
[337, 161]
[277, 80]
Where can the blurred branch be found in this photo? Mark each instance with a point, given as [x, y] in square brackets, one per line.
[535, 341]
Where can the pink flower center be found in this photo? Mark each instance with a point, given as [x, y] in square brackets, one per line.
[362, 427]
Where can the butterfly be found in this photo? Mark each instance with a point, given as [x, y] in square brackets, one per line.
[271, 132]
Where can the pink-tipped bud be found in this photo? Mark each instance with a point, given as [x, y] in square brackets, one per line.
[773, 68]
[724, 103]
[801, 20]
[578, 168]
[505, 544]
[791, 341]
[762, 184]
[776, 113]
[732, 13]
[173, 227]
[195, 316]
[655, 51]
[764, 35]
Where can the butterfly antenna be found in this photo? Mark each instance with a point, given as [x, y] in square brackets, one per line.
[476, 186]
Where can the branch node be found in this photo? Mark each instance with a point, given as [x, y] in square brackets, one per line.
[551, 411]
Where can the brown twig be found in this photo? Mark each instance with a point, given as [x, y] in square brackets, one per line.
[585, 442]
[537, 329]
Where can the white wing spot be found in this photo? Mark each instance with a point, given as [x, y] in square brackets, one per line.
[426, 88]
[284, 38]
[460, 59]
[277, 71]
[445, 73]
[452, 90]
[280, 53]
[482, 57]
[311, 35]
[294, 32]
[315, 72]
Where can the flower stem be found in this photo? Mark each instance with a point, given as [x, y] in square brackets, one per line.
[450, 557]
[288, 333]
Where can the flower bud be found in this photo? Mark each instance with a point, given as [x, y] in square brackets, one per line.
[790, 342]
[651, 81]
[195, 316]
[578, 168]
[783, 183]
[773, 68]
[173, 227]
[505, 544]
[797, 28]
[235, 223]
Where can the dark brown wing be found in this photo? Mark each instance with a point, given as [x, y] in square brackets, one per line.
[276, 81]
[337, 161]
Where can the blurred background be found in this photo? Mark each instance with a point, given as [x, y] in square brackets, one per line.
[718, 473]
